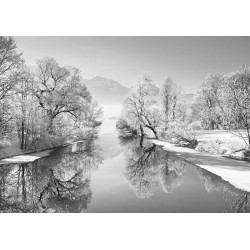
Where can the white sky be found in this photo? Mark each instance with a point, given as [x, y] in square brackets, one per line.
[125, 59]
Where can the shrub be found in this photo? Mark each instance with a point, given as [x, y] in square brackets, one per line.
[247, 153]
[46, 141]
[124, 128]
[186, 138]
[163, 135]
[4, 143]
[182, 136]
[211, 147]
[195, 126]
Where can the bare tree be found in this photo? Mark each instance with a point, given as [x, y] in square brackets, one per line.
[170, 94]
[234, 102]
[10, 60]
[206, 108]
[60, 90]
[141, 110]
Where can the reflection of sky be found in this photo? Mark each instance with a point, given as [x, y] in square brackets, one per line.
[109, 144]
[173, 186]
[112, 191]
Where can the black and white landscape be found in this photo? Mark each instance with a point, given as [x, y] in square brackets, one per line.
[124, 124]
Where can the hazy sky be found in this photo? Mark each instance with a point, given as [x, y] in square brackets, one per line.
[186, 59]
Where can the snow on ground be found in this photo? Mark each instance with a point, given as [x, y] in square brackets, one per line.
[224, 136]
[32, 156]
[235, 172]
[111, 114]
[26, 157]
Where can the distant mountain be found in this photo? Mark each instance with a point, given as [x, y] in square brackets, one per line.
[106, 91]
[110, 92]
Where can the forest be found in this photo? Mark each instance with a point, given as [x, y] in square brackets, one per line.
[49, 105]
[42, 106]
[222, 103]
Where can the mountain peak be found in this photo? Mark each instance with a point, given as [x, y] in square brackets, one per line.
[99, 78]
[105, 81]
[106, 91]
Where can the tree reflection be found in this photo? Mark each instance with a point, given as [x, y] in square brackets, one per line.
[241, 204]
[171, 174]
[235, 199]
[71, 195]
[57, 183]
[148, 166]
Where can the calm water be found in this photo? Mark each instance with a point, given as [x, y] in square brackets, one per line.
[109, 174]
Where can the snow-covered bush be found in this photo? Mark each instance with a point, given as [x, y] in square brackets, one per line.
[211, 147]
[4, 143]
[124, 128]
[196, 125]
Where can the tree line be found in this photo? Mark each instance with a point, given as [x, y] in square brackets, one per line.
[42, 106]
[222, 102]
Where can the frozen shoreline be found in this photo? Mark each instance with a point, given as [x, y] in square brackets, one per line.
[24, 158]
[31, 156]
[235, 172]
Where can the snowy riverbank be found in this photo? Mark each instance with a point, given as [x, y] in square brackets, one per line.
[235, 172]
[32, 155]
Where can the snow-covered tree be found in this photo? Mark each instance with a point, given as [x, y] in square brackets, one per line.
[170, 95]
[60, 91]
[206, 107]
[141, 110]
[235, 103]
[10, 61]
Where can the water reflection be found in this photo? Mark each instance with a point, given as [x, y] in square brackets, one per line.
[125, 175]
[148, 166]
[241, 205]
[237, 200]
[57, 183]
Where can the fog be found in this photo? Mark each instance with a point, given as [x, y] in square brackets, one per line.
[110, 116]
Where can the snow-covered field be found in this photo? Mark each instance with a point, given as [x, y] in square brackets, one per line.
[222, 135]
[220, 142]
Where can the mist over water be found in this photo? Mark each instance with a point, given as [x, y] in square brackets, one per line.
[110, 117]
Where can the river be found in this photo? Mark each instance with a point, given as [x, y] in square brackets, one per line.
[111, 174]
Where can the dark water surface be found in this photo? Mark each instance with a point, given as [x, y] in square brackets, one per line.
[115, 175]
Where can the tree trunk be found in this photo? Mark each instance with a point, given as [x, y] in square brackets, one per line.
[23, 183]
[50, 125]
[153, 130]
[23, 124]
[248, 141]
[212, 125]
[142, 135]
[142, 131]
[22, 136]
[155, 133]
[174, 107]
